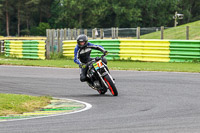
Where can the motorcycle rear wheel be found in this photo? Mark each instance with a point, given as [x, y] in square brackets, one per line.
[111, 85]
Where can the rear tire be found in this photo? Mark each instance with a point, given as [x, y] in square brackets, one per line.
[111, 85]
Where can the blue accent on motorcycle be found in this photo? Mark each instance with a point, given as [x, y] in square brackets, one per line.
[96, 68]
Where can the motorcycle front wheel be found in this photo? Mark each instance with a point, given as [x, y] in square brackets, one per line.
[111, 85]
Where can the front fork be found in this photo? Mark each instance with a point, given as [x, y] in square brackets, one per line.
[103, 75]
[102, 79]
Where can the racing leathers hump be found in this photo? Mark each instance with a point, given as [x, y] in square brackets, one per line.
[82, 55]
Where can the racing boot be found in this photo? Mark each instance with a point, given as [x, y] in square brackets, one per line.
[90, 83]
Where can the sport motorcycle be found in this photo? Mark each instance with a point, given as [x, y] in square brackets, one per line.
[99, 75]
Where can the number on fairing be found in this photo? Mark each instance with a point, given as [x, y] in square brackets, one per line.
[97, 65]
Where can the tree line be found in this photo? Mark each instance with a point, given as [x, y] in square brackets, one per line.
[32, 17]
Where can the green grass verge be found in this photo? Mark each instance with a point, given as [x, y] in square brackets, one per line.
[155, 66]
[178, 32]
[42, 63]
[113, 65]
[17, 104]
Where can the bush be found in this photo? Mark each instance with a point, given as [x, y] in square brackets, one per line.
[25, 32]
[34, 31]
[40, 30]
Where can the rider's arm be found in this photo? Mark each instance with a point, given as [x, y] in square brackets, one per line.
[97, 47]
[76, 60]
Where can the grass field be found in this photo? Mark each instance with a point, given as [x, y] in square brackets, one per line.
[17, 104]
[113, 65]
[178, 32]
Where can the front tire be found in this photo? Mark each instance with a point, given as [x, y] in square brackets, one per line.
[111, 85]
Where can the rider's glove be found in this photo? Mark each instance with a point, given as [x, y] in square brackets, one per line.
[105, 52]
[82, 65]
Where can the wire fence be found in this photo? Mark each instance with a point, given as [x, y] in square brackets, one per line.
[56, 37]
[183, 33]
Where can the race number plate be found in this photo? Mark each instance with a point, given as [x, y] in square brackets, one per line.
[97, 65]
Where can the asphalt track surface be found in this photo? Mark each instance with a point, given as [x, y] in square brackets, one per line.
[152, 102]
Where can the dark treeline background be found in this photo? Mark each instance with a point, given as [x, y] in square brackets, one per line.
[32, 17]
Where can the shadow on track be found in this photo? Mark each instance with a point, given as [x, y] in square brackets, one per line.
[87, 95]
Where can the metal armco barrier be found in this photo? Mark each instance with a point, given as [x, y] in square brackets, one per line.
[112, 46]
[68, 48]
[29, 49]
[183, 51]
[143, 50]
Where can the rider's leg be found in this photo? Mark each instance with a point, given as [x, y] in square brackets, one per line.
[83, 72]
[83, 76]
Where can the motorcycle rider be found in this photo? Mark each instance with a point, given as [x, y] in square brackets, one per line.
[82, 53]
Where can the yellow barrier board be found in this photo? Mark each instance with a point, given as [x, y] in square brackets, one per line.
[23, 38]
[68, 48]
[41, 49]
[16, 48]
[29, 49]
[144, 50]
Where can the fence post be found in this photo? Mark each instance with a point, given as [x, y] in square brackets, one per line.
[58, 40]
[65, 34]
[78, 32]
[53, 40]
[112, 32]
[48, 44]
[116, 32]
[187, 32]
[93, 33]
[69, 34]
[162, 32]
[75, 33]
[50, 39]
[0, 46]
[101, 33]
[114, 29]
[3, 47]
[61, 39]
[138, 33]
[85, 32]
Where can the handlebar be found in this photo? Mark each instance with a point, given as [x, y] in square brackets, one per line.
[95, 60]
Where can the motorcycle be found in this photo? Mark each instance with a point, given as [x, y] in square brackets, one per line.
[100, 76]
